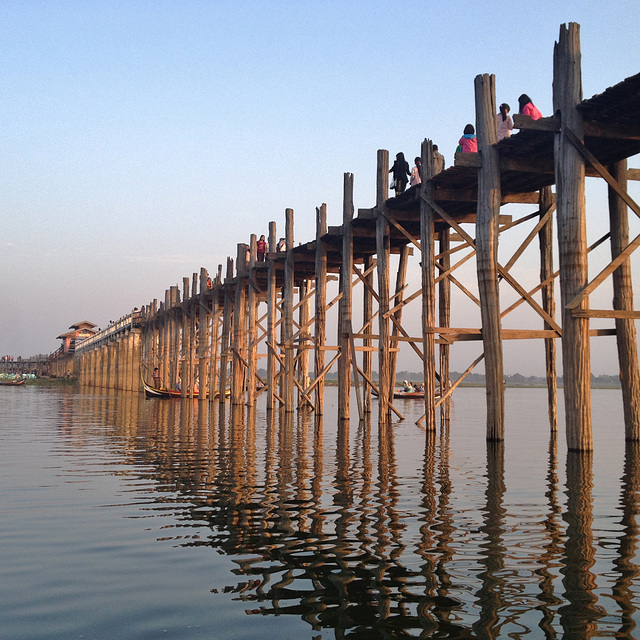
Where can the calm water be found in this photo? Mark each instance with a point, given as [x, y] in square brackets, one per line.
[128, 518]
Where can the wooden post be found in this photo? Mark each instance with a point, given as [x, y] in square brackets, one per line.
[289, 354]
[175, 336]
[487, 252]
[572, 238]
[203, 322]
[383, 251]
[321, 304]
[185, 345]
[401, 280]
[214, 345]
[367, 315]
[545, 236]
[227, 316]
[427, 247]
[302, 357]
[623, 301]
[239, 354]
[271, 318]
[344, 306]
[444, 299]
[252, 336]
[194, 378]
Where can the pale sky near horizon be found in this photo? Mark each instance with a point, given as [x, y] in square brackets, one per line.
[143, 140]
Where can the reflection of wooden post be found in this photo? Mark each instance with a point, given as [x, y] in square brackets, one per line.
[427, 246]
[367, 315]
[321, 303]
[252, 336]
[289, 354]
[572, 238]
[548, 303]
[623, 301]
[383, 250]
[227, 316]
[271, 318]
[344, 305]
[487, 252]
[203, 322]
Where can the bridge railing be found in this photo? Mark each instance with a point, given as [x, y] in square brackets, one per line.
[126, 323]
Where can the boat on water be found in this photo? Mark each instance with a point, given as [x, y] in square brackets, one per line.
[409, 392]
[153, 392]
[15, 382]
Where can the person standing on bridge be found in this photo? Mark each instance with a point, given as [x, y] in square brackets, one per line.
[261, 249]
[400, 170]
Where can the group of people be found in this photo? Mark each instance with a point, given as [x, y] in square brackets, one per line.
[262, 248]
[468, 143]
[504, 123]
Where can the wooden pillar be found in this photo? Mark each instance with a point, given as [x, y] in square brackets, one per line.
[185, 345]
[227, 316]
[176, 317]
[194, 378]
[215, 341]
[572, 238]
[289, 354]
[401, 280]
[239, 351]
[545, 236]
[367, 315]
[163, 363]
[623, 301]
[345, 303]
[321, 305]
[302, 358]
[252, 336]
[383, 251]
[427, 246]
[203, 335]
[271, 318]
[136, 357]
[444, 300]
[487, 252]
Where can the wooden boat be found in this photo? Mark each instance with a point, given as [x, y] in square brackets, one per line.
[153, 392]
[415, 395]
[13, 383]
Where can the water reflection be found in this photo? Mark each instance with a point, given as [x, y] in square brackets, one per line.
[371, 531]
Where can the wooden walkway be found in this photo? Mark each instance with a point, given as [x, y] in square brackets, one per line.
[212, 333]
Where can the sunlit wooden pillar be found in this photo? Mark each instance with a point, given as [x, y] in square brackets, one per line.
[271, 318]
[136, 358]
[401, 280]
[626, 337]
[345, 303]
[320, 326]
[487, 252]
[545, 236]
[112, 354]
[194, 379]
[572, 237]
[444, 306]
[367, 318]
[203, 335]
[239, 352]
[252, 327]
[214, 344]
[164, 363]
[302, 357]
[175, 314]
[227, 318]
[289, 284]
[383, 252]
[103, 361]
[185, 345]
[427, 247]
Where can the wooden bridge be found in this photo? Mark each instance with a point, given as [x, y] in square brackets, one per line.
[211, 334]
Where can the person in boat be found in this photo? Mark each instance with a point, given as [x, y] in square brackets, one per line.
[157, 381]
[407, 387]
[419, 388]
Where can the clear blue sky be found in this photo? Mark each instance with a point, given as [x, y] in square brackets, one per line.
[142, 140]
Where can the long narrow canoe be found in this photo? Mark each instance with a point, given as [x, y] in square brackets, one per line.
[12, 383]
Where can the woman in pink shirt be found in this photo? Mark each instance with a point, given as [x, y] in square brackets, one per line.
[527, 108]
